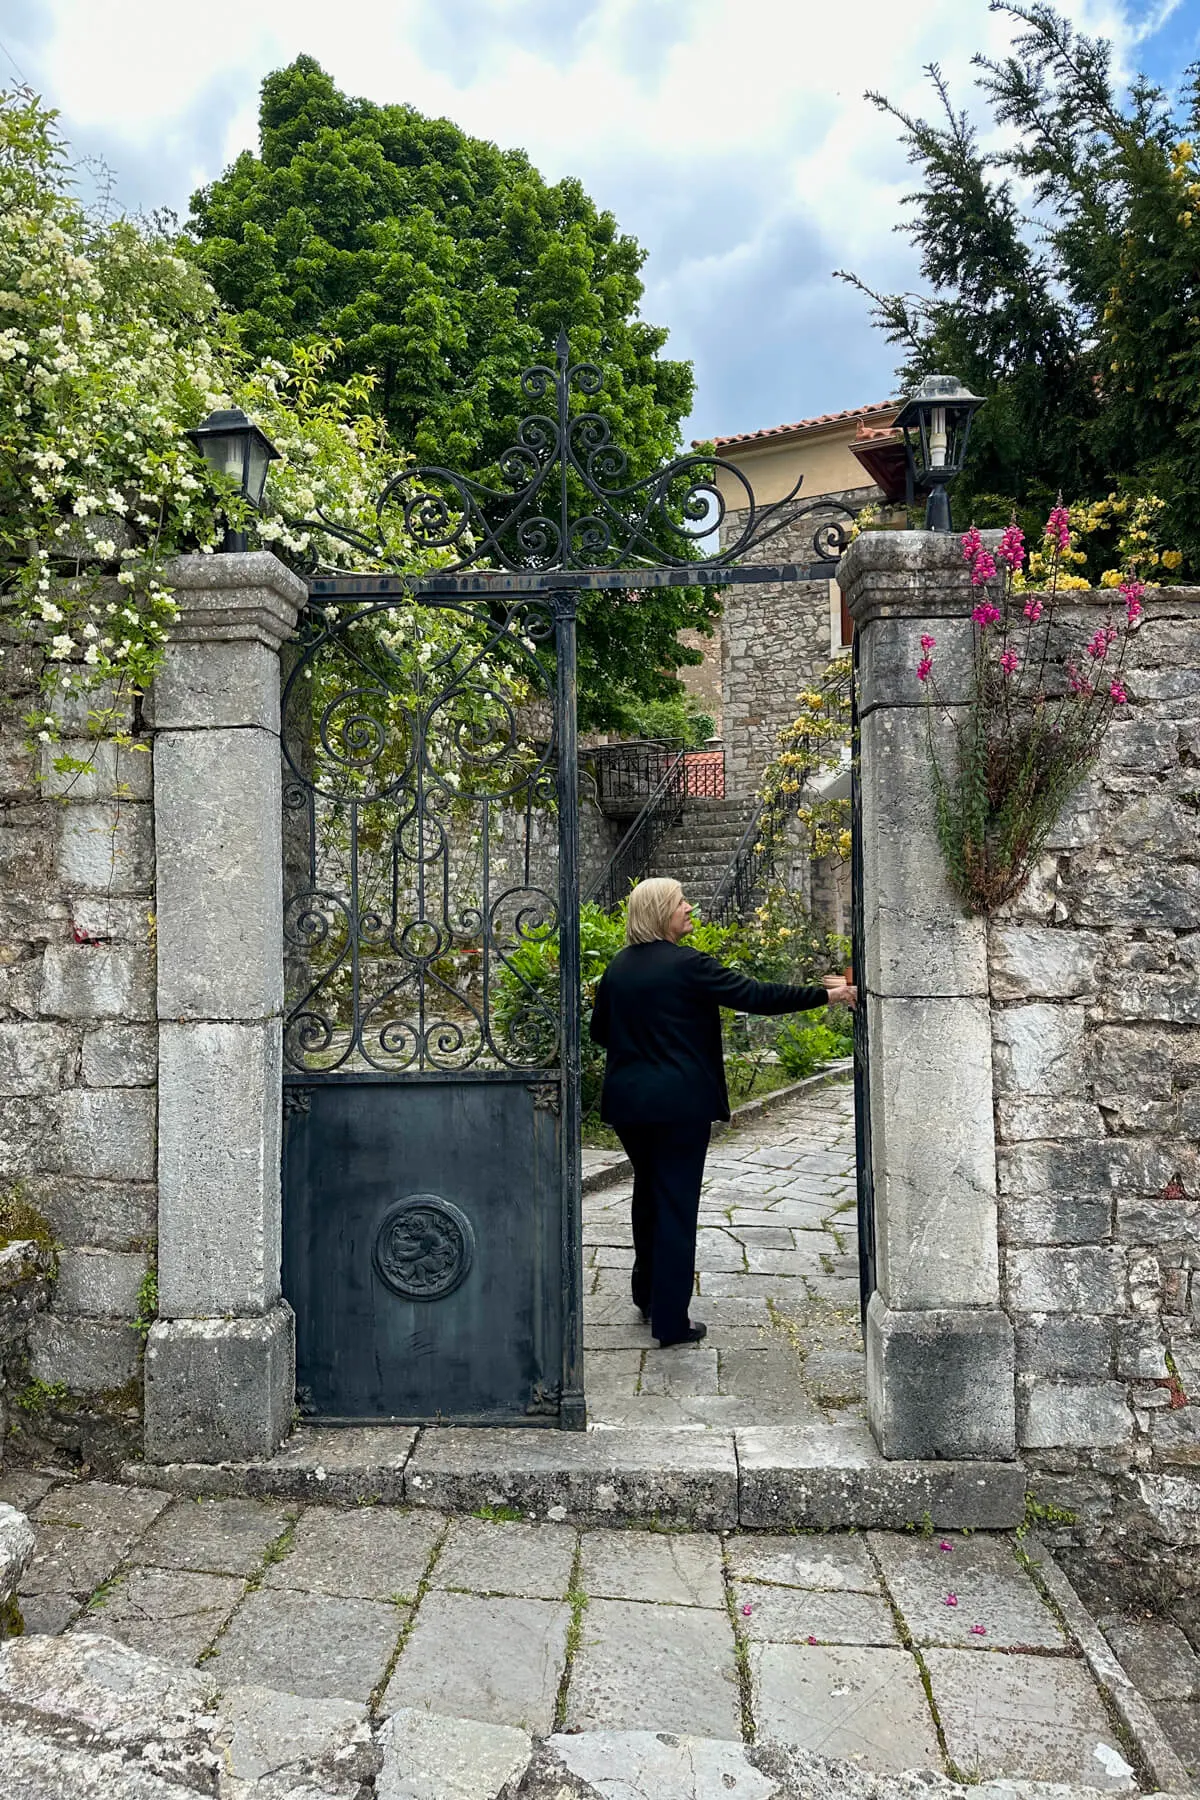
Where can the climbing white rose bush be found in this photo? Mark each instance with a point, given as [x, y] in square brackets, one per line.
[112, 345]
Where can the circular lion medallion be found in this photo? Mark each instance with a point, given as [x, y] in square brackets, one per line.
[424, 1247]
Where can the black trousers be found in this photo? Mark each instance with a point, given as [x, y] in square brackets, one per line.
[668, 1168]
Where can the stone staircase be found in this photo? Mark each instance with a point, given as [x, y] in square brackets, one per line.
[697, 851]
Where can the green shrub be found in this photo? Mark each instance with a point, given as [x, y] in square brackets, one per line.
[803, 1049]
[839, 1023]
[526, 1002]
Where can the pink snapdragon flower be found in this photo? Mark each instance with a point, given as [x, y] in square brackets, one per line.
[972, 544]
[1132, 592]
[927, 642]
[924, 667]
[1010, 662]
[1098, 645]
[985, 614]
[983, 568]
[1117, 694]
[1058, 528]
[1078, 683]
[1033, 611]
[1011, 549]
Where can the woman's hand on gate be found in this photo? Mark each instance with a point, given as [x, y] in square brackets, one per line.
[838, 991]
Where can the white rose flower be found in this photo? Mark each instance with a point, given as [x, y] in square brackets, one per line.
[62, 645]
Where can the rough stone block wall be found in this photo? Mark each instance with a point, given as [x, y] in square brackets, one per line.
[78, 1053]
[703, 679]
[775, 640]
[1095, 983]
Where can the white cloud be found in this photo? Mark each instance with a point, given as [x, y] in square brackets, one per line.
[730, 136]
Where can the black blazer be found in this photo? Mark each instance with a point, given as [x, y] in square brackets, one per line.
[657, 1013]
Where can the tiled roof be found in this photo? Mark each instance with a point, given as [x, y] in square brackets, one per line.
[783, 431]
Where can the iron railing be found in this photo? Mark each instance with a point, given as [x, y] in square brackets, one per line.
[625, 775]
[752, 863]
[633, 854]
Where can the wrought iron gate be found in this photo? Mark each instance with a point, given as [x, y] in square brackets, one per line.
[432, 1244]
[431, 1169]
[862, 1091]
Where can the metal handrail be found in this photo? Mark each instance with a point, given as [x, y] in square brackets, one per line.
[751, 864]
[631, 858]
[626, 774]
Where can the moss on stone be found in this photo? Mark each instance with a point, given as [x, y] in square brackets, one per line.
[11, 1623]
[22, 1223]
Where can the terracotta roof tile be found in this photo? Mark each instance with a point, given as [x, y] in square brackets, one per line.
[781, 431]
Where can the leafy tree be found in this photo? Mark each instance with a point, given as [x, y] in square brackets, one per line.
[1062, 265]
[444, 266]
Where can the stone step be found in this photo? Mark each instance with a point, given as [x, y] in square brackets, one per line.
[769, 1478]
[88, 1715]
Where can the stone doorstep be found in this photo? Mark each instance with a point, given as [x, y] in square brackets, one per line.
[820, 1478]
[621, 1169]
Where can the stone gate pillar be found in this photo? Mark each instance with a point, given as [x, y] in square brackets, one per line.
[940, 1351]
[220, 1360]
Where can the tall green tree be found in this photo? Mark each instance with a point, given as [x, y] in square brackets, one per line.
[444, 266]
[1062, 267]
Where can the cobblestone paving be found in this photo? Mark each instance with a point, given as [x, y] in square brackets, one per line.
[776, 1284]
[897, 1651]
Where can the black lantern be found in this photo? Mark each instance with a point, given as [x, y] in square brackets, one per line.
[936, 422]
[234, 447]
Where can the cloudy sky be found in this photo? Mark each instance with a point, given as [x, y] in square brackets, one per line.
[731, 137]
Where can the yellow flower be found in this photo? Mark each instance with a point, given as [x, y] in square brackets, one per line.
[1074, 582]
[1172, 559]
[1111, 578]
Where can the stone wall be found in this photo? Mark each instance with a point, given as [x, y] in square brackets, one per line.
[775, 640]
[78, 1051]
[1035, 1085]
[1095, 985]
[703, 679]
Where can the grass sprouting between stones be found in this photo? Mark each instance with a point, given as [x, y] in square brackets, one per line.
[406, 1630]
[906, 1639]
[577, 1600]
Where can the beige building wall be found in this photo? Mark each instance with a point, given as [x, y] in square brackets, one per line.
[821, 457]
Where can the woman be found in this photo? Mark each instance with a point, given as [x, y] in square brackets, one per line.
[657, 1014]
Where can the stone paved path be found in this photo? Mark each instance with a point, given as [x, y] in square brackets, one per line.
[895, 1650]
[777, 1285]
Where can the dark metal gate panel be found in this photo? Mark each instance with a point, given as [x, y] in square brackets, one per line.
[423, 1248]
[432, 1108]
[862, 1091]
[431, 1183]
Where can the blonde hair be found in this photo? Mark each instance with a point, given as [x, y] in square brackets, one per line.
[650, 907]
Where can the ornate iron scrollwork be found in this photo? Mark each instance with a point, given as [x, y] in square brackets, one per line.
[545, 1096]
[563, 498]
[423, 1248]
[545, 1400]
[421, 831]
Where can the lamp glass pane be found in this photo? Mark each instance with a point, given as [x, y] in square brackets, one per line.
[223, 454]
[257, 461]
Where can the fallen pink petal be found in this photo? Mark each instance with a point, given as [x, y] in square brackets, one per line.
[747, 1609]
[951, 1599]
[979, 1630]
[945, 1544]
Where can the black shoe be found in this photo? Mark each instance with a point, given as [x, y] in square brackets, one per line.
[692, 1335]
